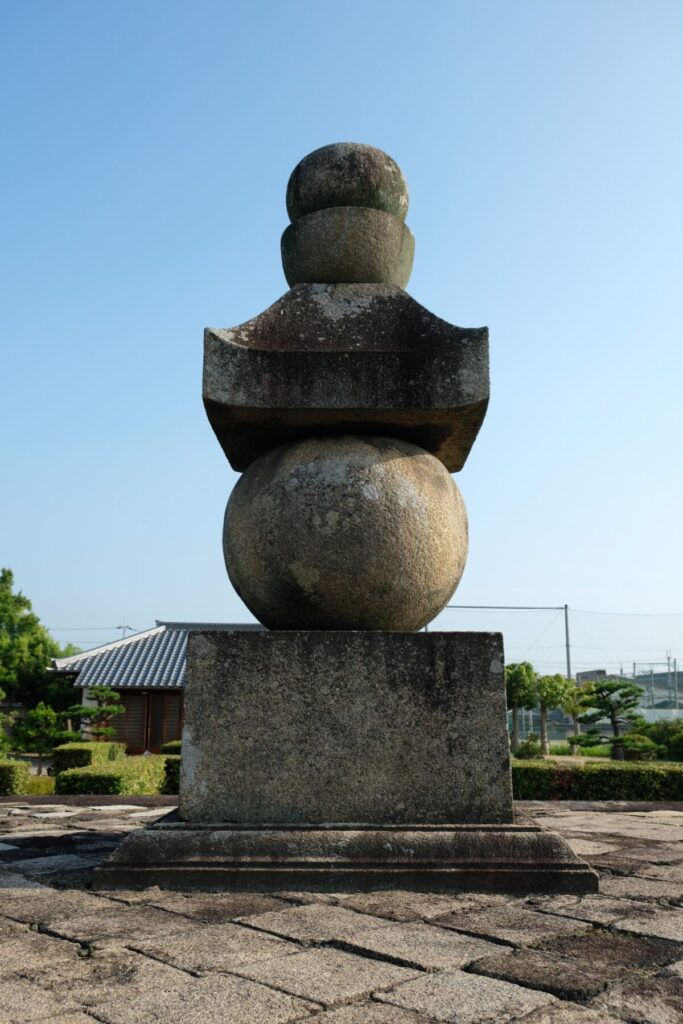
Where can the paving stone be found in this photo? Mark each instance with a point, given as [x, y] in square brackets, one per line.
[43, 905]
[315, 923]
[10, 928]
[596, 909]
[32, 955]
[212, 1000]
[466, 998]
[302, 898]
[667, 872]
[113, 808]
[399, 905]
[130, 896]
[673, 970]
[149, 814]
[107, 974]
[217, 908]
[12, 880]
[22, 1002]
[666, 924]
[73, 1018]
[646, 888]
[420, 945]
[51, 865]
[567, 1013]
[126, 924]
[605, 950]
[369, 1013]
[513, 923]
[538, 969]
[328, 976]
[588, 847]
[194, 946]
[60, 812]
[644, 1000]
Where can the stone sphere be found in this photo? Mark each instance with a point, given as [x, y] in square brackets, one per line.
[347, 174]
[345, 532]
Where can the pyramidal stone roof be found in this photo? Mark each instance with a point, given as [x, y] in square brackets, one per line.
[154, 658]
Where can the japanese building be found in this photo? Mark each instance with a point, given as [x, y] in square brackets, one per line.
[148, 671]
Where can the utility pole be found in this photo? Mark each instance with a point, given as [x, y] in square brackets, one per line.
[566, 641]
[529, 608]
[676, 681]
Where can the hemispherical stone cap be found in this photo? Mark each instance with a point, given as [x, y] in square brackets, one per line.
[348, 245]
[348, 532]
[347, 174]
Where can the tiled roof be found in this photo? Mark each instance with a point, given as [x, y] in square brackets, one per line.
[154, 658]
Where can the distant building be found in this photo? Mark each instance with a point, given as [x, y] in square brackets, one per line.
[148, 670]
[662, 690]
[593, 675]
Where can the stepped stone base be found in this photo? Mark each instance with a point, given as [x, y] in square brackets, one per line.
[175, 854]
[345, 761]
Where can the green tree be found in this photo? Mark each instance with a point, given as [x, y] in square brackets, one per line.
[614, 699]
[6, 719]
[39, 731]
[26, 649]
[96, 718]
[551, 692]
[520, 690]
[573, 705]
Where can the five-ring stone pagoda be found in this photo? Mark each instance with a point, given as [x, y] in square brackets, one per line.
[340, 747]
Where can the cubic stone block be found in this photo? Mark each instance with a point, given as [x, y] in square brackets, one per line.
[317, 726]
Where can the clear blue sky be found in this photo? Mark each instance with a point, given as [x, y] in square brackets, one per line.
[146, 148]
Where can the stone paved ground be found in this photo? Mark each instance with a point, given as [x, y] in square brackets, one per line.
[70, 956]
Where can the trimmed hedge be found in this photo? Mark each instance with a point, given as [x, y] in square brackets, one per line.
[79, 755]
[594, 780]
[126, 776]
[14, 776]
[172, 774]
[40, 785]
[172, 747]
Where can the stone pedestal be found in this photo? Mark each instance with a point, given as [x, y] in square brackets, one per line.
[316, 727]
[345, 760]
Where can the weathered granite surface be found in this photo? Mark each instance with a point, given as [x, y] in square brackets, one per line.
[348, 245]
[345, 727]
[347, 174]
[345, 533]
[347, 203]
[148, 957]
[355, 358]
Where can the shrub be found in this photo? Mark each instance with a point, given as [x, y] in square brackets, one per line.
[529, 749]
[544, 780]
[668, 733]
[172, 774]
[640, 748]
[172, 747]
[14, 776]
[79, 755]
[39, 785]
[126, 776]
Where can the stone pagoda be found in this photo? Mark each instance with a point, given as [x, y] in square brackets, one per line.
[340, 747]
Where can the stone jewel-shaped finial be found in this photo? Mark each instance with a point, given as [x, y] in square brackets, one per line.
[347, 203]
